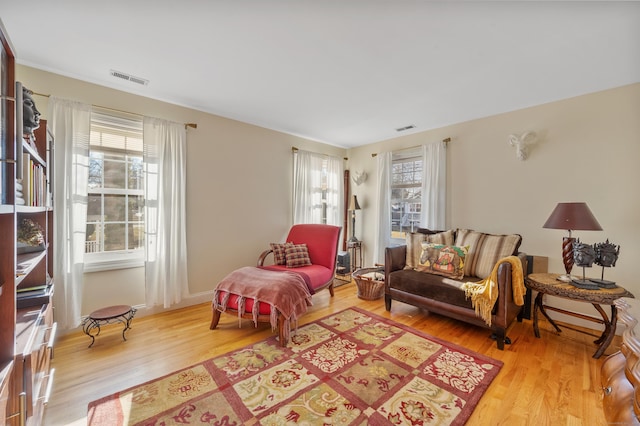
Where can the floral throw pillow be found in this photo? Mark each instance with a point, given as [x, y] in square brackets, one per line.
[443, 260]
[297, 255]
[414, 242]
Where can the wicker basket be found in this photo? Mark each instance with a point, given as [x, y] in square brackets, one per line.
[368, 287]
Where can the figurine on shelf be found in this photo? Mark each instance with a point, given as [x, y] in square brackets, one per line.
[30, 115]
[606, 256]
[583, 255]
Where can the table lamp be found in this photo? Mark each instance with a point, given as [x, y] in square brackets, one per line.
[572, 217]
[353, 206]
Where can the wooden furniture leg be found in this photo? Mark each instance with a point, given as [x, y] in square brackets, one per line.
[283, 330]
[539, 306]
[215, 318]
[609, 329]
[283, 333]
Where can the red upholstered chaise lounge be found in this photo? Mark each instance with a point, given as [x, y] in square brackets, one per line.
[322, 246]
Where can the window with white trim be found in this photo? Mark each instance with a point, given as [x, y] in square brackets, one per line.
[115, 210]
[406, 192]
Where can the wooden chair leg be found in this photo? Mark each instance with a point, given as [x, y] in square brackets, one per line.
[331, 288]
[283, 331]
[215, 319]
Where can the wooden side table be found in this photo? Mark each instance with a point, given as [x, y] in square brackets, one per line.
[355, 252]
[112, 314]
[550, 285]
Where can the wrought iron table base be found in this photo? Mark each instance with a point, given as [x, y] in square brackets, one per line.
[114, 314]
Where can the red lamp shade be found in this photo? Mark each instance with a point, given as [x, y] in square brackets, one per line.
[571, 216]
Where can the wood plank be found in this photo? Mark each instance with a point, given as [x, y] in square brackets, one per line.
[551, 380]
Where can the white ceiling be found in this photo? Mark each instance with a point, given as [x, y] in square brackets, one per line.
[343, 72]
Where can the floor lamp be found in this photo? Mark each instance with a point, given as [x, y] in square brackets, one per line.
[353, 206]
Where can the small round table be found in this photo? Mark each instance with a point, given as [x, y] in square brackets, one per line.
[111, 314]
[550, 285]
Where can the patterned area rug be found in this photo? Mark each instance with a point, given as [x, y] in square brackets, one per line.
[350, 368]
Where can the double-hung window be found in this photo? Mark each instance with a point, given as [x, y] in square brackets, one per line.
[317, 188]
[406, 192]
[115, 210]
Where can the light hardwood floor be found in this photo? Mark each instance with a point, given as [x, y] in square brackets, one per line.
[548, 381]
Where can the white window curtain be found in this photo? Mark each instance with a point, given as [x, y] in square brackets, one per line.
[70, 124]
[165, 188]
[335, 190]
[308, 181]
[434, 185]
[383, 221]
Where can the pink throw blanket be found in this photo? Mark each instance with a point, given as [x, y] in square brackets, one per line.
[286, 293]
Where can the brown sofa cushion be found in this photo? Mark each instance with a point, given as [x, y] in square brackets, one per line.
[485, 250]
[433, 287]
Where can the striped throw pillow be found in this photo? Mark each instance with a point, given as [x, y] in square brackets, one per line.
[485, 250]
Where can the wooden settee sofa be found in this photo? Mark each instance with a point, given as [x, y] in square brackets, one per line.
[406, 280]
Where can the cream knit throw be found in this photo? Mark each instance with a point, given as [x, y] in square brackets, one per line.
[484, 293]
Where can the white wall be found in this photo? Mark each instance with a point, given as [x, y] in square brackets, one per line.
[589, 151]
[239, 180]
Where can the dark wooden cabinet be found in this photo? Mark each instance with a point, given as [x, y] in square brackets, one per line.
[27, 327]
[620, 372]
[35, 326]
[7, 220]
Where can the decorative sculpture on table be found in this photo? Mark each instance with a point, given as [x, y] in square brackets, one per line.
[583, 255]
[606, 256]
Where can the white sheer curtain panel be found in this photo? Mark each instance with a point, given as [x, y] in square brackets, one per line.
[311, 172]
[335, 191]
[70, 124]
[383, 220]
[434, 185]
[165, 218]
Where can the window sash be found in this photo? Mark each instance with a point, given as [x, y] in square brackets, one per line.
[406, 192]
[116, 176]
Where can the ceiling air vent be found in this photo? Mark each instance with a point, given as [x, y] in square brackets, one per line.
[402, 129]
[129, 77]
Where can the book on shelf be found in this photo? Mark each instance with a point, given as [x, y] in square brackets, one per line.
[31, 288]
[32, 293]
[27, 299]
[26, 178]
[44, 286]
[33, 182]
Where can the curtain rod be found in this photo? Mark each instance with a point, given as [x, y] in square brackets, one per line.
[445, 140]
[192, 125]
[294, 150]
